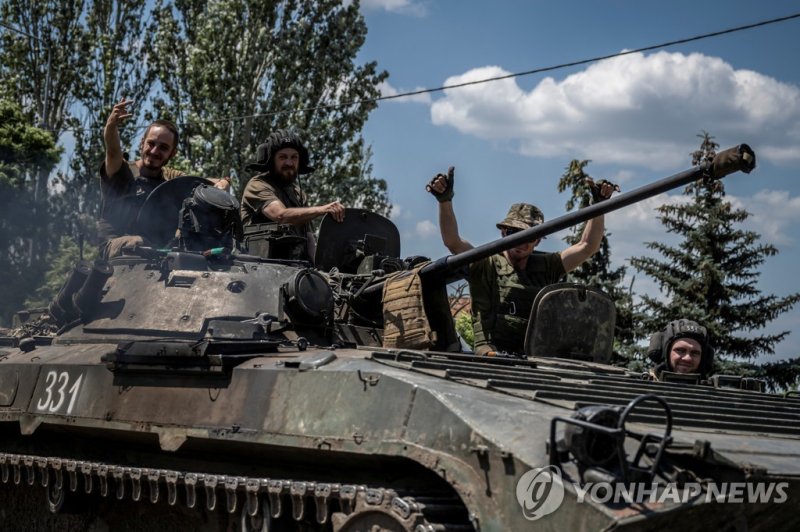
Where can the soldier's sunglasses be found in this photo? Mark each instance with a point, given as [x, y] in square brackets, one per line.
[507, 231]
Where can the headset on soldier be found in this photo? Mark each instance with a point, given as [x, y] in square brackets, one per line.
[661, 343]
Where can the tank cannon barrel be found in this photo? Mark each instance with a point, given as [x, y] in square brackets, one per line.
[735, 159]
[738, 158]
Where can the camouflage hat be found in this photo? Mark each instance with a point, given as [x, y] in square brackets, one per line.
[522, 216]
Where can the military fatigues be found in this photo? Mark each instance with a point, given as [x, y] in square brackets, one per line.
[262, 190]
[123, 194]
[502, 298]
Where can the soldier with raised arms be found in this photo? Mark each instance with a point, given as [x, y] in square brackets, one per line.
[504, 286]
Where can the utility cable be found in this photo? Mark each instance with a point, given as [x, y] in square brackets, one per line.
[474, 82]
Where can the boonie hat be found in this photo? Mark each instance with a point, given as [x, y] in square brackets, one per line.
[522, 216]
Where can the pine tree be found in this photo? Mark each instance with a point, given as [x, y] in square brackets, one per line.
[597, 271]
[711, 275]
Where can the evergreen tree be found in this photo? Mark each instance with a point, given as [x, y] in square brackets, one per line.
[291, 64]
[711, 275]
[597, 271]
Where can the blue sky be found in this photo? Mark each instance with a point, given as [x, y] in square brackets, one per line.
[635, 117]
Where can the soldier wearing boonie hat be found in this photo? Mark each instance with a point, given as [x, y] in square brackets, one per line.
[521, 216]
[504, 286]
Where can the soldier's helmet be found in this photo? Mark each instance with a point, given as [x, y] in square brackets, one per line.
[661, 343]
[276, 141]
[521, 216]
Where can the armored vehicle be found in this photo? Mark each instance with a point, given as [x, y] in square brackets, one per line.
[192, 388]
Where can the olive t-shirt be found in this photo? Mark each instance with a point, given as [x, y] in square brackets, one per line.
[262, 190]
[502, 298]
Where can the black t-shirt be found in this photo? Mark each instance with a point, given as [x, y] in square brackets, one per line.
[122, 195]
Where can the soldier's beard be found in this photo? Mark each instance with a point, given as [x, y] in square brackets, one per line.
[153, 163]
[287, 175]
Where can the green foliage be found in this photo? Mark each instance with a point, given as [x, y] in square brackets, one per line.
[280, 61]
[780, 376]
[115, 69]
[58, 46]
[464, 328]
[597, 271]
[206, 60]
[60, 262]
[711, 275]
[26, 224]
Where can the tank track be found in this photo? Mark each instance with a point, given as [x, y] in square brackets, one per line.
[339, 507]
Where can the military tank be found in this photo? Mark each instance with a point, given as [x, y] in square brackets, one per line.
[192, 388]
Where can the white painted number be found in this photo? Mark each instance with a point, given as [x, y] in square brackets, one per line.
[49, 382]
[51, 401]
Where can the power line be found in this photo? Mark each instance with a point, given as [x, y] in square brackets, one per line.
[518, 74]
[474, 82]
[595, 59]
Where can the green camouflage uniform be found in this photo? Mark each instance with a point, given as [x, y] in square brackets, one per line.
[502, 297]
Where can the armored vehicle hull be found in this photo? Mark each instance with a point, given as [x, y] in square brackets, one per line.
[199, 390]
[344, 439]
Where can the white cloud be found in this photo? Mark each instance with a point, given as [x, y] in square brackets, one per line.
[387, 90]
[405, 7]
[638, 223]
[630, 110]
[396, 212]
[426, 229]
[774, 215]
[623, 176]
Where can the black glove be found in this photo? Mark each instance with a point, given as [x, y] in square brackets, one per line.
[596, 189]
[448, 193]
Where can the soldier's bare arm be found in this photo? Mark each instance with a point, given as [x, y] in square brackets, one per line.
[111, 136]
[282, 214]
[441, 186]
[592, 236]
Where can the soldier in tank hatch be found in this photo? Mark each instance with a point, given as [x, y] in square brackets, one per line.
[274, 195]
[125, 185]
[682, 347]
[504, 286]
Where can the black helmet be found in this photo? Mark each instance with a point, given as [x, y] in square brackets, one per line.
[276, 141]
[661, 343]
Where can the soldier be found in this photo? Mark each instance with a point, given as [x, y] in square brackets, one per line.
[274, 195]
[125, 185]
[682, 347]
[504, 286]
